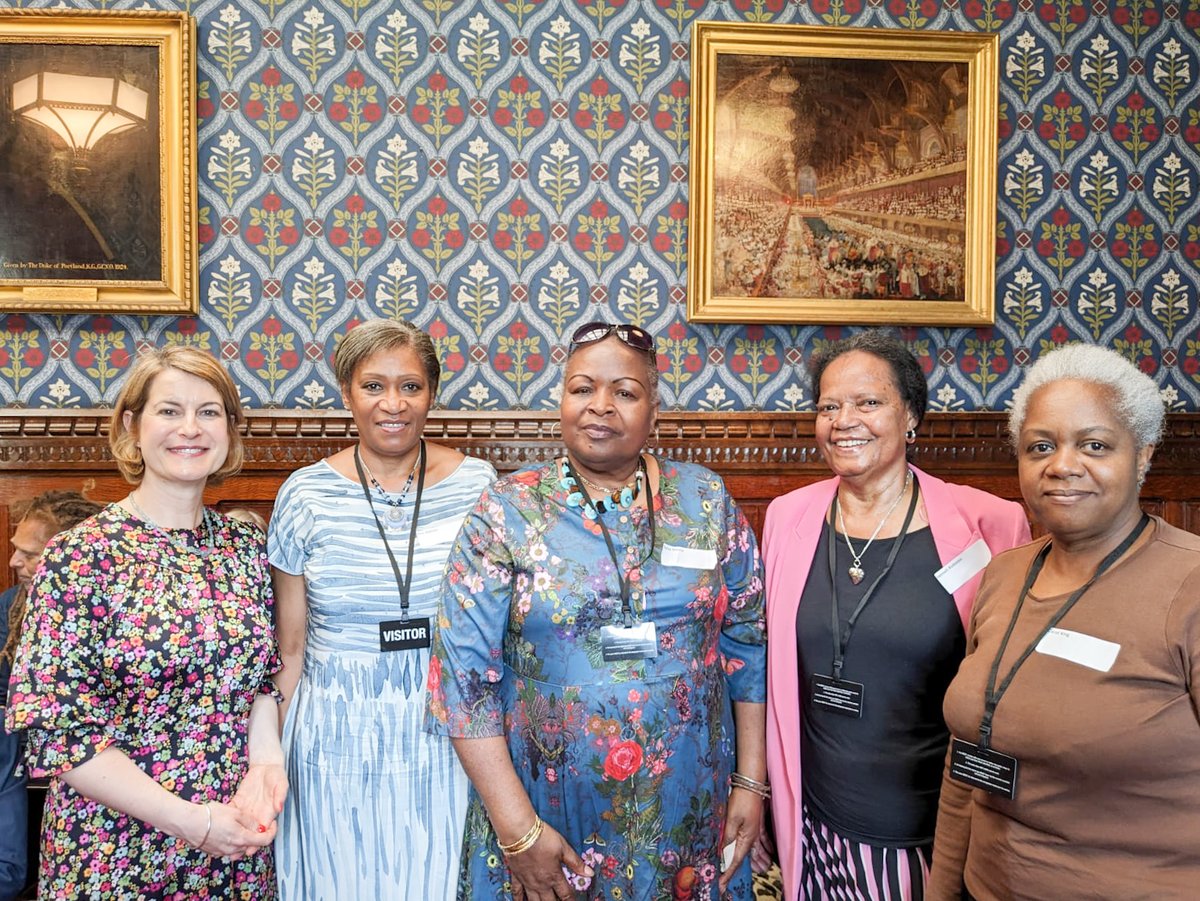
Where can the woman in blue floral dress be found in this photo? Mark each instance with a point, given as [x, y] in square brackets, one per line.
[142, 675]
[600, 660]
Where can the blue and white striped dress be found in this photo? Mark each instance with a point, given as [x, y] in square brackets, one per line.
[376, 805]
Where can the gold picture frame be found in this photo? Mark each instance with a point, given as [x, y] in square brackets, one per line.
[842, 175]
[97, 161]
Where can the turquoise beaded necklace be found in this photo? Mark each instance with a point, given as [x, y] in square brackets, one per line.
[622, 498]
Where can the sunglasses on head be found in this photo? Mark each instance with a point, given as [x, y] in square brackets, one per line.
[590, 333]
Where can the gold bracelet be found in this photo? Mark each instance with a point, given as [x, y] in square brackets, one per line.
[762, 789]
[207, 826]
[526, 841]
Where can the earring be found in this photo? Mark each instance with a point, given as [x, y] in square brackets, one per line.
[910, 436]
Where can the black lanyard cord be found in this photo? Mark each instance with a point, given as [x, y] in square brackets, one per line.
[406, 583]
[992, 694]
[622, 576]
[842, 641]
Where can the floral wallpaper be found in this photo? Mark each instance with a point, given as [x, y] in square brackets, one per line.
[500, 172]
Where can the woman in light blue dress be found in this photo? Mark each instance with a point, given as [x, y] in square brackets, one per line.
[376, 807]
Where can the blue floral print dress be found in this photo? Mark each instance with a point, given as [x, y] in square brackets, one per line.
[156, 643]
[629, 760]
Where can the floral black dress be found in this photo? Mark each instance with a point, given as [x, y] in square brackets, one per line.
[629, 760]
[155, 642]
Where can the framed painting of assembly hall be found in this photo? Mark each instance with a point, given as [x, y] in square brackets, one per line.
[97, 161]
[842, 175]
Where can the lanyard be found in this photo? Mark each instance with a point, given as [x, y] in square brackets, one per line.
[992, 694]
[622, 576]
[842, 641]
[402, 584]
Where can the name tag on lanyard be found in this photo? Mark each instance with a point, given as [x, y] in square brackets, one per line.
[837, 695]
[398, 635]
[984, 768]
[636, 642]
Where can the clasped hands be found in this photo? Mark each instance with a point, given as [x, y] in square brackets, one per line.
[247, 822]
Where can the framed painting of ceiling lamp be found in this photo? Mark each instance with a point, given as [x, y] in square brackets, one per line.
[842, 175]
[97, 161]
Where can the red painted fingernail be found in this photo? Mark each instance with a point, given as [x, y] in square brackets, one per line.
[262, 828]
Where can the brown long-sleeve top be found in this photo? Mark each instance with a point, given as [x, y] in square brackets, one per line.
[1108, 790]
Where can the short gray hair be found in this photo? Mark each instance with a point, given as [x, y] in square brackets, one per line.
[1137, 402]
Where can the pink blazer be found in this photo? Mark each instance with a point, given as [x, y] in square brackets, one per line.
[958, 516]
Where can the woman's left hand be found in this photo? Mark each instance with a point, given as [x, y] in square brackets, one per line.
[262, 792]
[743, 819]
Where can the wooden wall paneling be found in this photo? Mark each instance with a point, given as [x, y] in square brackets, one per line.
[760, 455]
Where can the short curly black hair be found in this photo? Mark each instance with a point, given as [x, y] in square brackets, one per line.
[887, 345]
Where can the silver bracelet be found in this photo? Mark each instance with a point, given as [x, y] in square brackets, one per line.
[762, 789]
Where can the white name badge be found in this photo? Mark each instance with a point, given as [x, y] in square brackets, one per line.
[689, 557]
[1086, 650]
[955, 574]
[442, 533]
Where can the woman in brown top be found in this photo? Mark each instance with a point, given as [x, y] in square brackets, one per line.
[1074, 767]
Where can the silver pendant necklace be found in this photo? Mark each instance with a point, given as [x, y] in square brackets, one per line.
[855, 570]
[395, 511]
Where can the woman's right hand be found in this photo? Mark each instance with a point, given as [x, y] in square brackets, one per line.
[537, 874]
[234, 833]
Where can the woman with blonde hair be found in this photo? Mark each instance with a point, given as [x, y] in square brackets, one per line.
[142, 676]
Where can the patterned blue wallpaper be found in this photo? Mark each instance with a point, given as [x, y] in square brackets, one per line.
[502, 171]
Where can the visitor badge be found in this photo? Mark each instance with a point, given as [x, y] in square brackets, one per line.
[955, 574]
[984, 768]
[689, 557]
[837, 695]
[636, 642]
[1086, 650]
[404, 635]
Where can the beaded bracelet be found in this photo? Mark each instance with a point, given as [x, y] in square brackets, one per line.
[526, 841]
[762, 789]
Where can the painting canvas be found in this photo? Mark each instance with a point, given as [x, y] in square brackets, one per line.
[95, 162]
[842, 175]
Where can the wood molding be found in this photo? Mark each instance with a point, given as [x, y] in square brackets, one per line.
[760, 455]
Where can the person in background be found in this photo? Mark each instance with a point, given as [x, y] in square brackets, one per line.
[38, 521]
[870, 580]
[142, 674]
[1075, 766]
[358, 543]
[599, 659]
[246, 514]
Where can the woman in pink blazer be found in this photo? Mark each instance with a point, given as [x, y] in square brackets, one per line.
[870, 580]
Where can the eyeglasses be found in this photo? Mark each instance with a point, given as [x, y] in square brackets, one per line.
[590, 333]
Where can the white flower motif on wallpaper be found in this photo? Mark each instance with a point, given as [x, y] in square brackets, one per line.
[1022, 300]
[558, 297]
[637, 296]
[1169, 301]
[396, 46]
[479, 295]
[559, 174]
[559, 54]
[1172, 186]
[396, 295]
[1172, 71]
[1097, 301]
[1023, 185]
